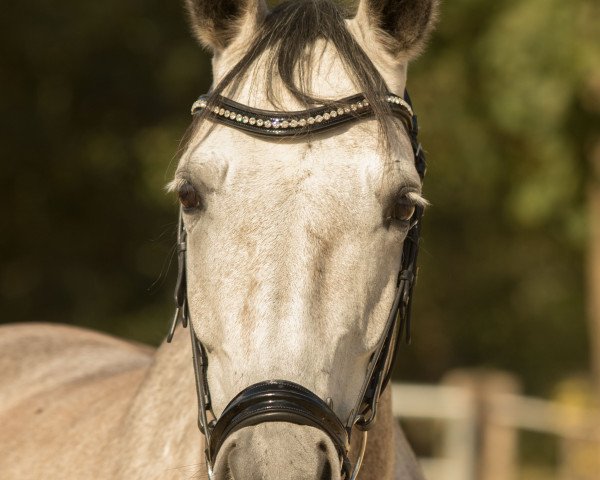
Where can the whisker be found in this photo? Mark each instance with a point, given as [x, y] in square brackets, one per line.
[166, 266]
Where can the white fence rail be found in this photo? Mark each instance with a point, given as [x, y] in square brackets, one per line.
[480, 430]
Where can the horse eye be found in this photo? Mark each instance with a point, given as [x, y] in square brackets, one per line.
[188, 197]
[403, 209]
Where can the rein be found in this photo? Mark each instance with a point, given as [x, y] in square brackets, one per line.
[282, 400]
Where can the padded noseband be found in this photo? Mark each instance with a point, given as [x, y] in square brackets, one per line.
[279, 401]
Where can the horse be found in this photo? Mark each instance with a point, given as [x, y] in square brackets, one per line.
[296, 207]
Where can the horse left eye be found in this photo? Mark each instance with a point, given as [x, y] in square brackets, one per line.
[403, 210]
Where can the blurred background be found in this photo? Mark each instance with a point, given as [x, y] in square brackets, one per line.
[95, 101]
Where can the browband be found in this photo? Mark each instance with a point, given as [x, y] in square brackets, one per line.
[289, 124]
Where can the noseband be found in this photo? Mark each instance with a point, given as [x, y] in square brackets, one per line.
[282, 400]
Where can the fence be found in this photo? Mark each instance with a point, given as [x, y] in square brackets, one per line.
[482, 415]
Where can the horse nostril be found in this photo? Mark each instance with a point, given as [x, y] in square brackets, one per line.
[327, 472]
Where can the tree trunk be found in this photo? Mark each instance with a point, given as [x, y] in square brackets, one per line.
[593, 265]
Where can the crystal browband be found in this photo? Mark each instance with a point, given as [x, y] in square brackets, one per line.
[274, 123]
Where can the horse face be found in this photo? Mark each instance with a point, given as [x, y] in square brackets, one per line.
[293, 251]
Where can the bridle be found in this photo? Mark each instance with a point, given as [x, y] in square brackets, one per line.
[282, 400]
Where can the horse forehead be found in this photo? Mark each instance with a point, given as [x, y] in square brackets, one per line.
[329, 78]
[347, 159]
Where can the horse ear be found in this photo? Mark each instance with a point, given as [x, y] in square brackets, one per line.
[216, 23]
[402, 25]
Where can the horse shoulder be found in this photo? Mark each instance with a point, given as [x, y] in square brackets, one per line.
[388, 453]
[406, 465]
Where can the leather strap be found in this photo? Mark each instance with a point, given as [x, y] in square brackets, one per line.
[296, 123]
[381, 364]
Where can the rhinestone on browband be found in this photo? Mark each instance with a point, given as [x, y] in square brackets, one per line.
[226, 110]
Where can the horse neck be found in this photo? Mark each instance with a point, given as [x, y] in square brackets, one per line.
[159, 429]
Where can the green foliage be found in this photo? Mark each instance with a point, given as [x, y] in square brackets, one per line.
[97, 96]
[95, 102]
[498, 94]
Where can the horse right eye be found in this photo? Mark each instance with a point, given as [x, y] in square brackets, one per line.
[188, 197]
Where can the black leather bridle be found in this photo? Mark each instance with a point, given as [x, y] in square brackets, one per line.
[282, 400]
